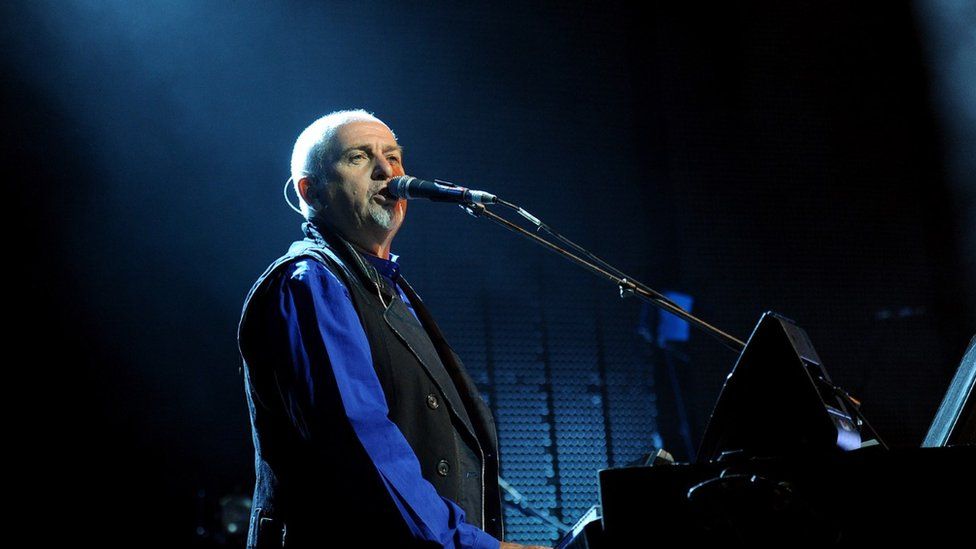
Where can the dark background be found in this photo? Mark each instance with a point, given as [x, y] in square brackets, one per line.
[812, 158]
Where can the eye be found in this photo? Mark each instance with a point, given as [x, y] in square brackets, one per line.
[357, 157]
[393, 159]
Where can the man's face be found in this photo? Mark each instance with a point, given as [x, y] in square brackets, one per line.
[364, 156]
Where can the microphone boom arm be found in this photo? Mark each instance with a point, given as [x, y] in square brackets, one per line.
[626, 285]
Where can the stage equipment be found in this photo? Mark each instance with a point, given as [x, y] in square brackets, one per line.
[779, 400]
[955, 422]
[409, 188]
[773, 469]
[518, 501]
[784, 458]
[474, 204]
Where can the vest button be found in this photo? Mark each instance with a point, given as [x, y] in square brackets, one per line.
[432, 401]
[443, 467]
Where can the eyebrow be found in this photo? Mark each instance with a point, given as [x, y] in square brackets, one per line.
[368, 148]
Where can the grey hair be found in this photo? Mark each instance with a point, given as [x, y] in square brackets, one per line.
[310, 155]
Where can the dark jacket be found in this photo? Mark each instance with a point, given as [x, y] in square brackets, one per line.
[305, 491]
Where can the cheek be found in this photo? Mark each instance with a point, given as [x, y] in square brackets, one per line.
[398, 170]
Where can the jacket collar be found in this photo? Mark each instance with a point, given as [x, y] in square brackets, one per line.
[356, 261]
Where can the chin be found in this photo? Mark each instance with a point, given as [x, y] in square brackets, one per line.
[383, 217]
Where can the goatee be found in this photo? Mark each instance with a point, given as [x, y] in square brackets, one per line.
[381, 216]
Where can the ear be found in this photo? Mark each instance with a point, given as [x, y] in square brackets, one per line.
[308, 192]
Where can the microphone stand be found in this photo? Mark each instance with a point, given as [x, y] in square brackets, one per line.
[627, 285]
[519, 502]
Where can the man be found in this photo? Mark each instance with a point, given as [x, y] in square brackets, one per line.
[366, 426]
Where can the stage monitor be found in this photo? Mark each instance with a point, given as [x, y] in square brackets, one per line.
[778, 400]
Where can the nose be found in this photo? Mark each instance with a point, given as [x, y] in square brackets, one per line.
[383, 170]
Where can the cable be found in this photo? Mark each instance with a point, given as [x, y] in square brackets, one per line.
[288, 200]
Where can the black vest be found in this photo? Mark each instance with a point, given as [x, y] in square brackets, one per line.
[303, 494]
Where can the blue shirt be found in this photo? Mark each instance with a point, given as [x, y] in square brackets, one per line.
[326, 338]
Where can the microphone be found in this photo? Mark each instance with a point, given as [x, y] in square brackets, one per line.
[405, 186]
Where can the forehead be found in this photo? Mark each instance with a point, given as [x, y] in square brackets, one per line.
[363, 132]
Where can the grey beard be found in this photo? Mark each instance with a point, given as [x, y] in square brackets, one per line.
[381, 216]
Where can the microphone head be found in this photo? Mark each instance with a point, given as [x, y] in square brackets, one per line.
[408, 187]
[398, 186]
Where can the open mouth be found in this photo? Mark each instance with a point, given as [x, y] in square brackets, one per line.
[385, 196]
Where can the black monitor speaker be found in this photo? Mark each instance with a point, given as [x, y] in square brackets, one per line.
[778, 400]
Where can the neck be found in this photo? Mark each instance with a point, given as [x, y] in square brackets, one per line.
[381, 250]
[363, 241]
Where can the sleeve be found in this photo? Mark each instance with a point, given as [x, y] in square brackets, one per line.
[330, 361]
